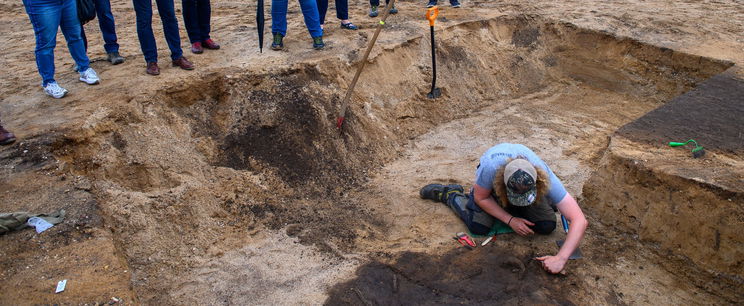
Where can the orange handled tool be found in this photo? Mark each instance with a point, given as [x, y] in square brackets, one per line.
[431, 15]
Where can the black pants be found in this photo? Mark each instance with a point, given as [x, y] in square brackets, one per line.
[480, 222]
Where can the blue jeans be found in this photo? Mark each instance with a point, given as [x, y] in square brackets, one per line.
[342, 9]
[309, 11]
[46, 16]
[106, 24]
[143, 9]
[196, 14]
[377, 2]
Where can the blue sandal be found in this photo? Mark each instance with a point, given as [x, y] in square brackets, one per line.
[349, 26]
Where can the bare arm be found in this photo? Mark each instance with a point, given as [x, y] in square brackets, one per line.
[571, 210]
[486, 202]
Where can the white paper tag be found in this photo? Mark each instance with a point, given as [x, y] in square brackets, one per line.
[39, 223]
[61, 286]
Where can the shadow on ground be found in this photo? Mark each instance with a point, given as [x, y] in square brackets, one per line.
[481, 276]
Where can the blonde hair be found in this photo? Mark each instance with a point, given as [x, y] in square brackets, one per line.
[499, 186]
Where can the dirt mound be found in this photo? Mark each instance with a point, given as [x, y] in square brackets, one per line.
[458, 277]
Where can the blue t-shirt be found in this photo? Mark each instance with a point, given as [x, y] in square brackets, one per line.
[496, 157]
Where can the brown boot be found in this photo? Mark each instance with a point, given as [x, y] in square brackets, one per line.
[152, 68]
[183, 63]
[6, 137]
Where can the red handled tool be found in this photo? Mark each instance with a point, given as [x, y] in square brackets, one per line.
[465, 240]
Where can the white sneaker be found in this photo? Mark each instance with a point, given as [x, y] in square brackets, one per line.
[54, 90]
[89, 76]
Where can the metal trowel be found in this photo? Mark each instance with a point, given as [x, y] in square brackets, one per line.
[577, 252]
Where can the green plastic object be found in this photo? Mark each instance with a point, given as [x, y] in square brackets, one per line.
[698, 151]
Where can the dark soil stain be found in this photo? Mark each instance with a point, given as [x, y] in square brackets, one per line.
[712, 114]
[480, 277]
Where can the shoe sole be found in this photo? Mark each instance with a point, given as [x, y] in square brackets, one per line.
[152, 73]
[89, 83]
[60, 97]
[7, 141]
[192, 68]
[197, 52]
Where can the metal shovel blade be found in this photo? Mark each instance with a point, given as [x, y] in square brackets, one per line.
[436, 93]
[260, 23]
[576, 253]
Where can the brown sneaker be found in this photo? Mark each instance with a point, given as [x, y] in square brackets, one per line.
[210, 44]
[183, 63]
[152, 68]
[6, 137]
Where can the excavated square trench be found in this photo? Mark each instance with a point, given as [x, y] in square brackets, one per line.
[239, 189]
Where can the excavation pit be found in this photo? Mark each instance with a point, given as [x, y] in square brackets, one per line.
[237, 188]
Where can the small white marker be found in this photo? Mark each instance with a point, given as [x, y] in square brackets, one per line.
[61, 286]
[487, 241]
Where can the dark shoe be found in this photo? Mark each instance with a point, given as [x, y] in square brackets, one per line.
[115, 58]
[210, 44]
[196, 48]
[318, 43]
[455, 3]
[373, 11]
[183, 63]
[432, 3]
[6, 137]
[152, 68]
[349, 26]
[277, 44]
[439, 192]
[393, 10]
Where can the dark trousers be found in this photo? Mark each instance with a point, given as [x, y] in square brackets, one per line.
[480, 222]
[342, 9]
[106, 24]
[196, 15]
[377, 2]
[143, 9]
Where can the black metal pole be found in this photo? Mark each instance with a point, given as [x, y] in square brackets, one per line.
[433, 61]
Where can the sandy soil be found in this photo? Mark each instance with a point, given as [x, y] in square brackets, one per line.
[230, 185]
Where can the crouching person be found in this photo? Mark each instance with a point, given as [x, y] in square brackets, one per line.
[514, 186]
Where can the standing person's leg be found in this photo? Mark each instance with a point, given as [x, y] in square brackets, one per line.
[312, 20]
[278, 23]
[70, 26]
[143, 10]
[374, 4]
[279, 17]
[108, 26]
[167, 12]
[6, 137]
[82, 35]
[190, 20]
[342, 12]
[205, 24]
[322, 10]
[45, 18]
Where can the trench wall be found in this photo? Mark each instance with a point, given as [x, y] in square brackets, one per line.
[690, 207]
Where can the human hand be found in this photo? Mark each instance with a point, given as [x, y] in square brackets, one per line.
[521, 226]
[552, 264]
